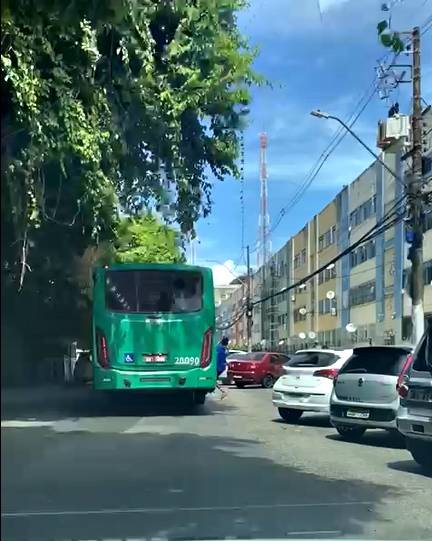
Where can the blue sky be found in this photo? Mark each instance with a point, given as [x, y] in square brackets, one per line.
[314, 60]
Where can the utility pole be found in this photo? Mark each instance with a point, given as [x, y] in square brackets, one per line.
[414, 187]
[249, 311]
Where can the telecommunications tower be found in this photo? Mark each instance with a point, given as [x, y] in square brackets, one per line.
[264, 247]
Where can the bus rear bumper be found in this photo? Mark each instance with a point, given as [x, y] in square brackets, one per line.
[114, 379]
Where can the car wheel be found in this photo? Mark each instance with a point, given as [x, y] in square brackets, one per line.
[350, 433]
[199, 397]
[290, 415]
[267, 381]
[421, 453]
[239, 385]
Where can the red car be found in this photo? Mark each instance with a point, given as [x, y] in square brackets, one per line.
[257, 368]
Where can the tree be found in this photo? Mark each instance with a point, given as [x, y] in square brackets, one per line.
[97, 98]
[145, 240]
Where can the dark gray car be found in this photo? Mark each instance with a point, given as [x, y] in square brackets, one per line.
[414, 418]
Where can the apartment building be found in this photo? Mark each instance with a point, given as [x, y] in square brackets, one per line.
[223, 293]
[363, 297]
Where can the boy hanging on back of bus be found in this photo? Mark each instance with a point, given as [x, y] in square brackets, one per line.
[221, 362]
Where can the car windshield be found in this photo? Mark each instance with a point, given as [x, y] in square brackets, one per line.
[376, 360]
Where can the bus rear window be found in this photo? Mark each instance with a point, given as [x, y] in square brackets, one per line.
[153, 291]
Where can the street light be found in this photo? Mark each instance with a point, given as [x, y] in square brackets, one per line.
[322, 114]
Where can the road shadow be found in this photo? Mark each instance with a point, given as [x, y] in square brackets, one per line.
[374, 438]
[409, 466]
[176, 486]
[315, 421]
[61, 403]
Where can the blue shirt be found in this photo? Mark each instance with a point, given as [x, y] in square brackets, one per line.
[221, 358]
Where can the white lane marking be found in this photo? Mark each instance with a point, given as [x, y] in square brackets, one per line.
[147, 510]
[316, 532]
[25, 424]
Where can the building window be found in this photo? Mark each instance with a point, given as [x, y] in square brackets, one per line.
[363, 212]
[327, 239]
[300, 259]
[427, 274]
[301, 288]
[362, 294]
[325, 306]
[363, 253]
[326, 275]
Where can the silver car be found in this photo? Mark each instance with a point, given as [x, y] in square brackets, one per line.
[414, 418]
[365, 391]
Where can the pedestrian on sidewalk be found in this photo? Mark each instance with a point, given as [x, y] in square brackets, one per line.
[221, 363]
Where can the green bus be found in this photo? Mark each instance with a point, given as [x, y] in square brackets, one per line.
[154, 329]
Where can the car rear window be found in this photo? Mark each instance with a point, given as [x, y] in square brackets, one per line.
[250, 357]
[312, 358]
[153, 291]
[376, 360]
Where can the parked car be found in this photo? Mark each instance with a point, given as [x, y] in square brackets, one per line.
[365, 391]
[414, 419]
[236, 352]
[307, 382]
[259, 368]
[232, 355]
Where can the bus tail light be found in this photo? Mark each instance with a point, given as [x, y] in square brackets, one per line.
[102, 349]
[206, 350]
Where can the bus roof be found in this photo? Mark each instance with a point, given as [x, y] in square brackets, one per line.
[153, 266]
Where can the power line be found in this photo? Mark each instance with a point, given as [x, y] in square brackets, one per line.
[324, 156]
[233, 322]
[380, 227]
[338, 137]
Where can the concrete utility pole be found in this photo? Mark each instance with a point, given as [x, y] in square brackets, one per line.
[414, 186]
[248, 302]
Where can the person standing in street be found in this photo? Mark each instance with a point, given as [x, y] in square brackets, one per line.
[221, 362]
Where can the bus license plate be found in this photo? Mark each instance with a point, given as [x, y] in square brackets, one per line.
[154, 358]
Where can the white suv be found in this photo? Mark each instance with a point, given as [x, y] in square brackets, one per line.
[308, 382]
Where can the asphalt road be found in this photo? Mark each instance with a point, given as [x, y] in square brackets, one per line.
[76, 467]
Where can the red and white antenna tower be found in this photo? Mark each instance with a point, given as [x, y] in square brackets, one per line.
[264, 246]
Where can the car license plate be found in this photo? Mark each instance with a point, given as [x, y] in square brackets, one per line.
[154, 358]
[356, 414]
[423, 395]
[237, 377]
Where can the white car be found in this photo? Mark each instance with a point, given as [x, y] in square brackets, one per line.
[308, 382]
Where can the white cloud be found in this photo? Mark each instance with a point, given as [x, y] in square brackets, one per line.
[226, 272]
[325, 5]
